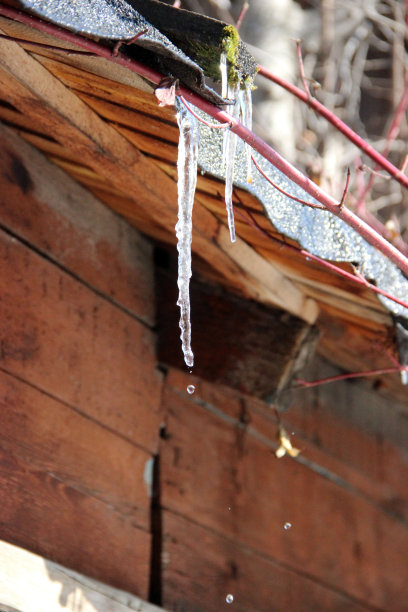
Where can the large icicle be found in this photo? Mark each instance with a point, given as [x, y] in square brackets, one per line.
[246, 113]
[229, 146]
[187, 179]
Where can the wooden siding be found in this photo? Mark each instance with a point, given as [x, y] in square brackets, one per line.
[79, 392]
[226, 499]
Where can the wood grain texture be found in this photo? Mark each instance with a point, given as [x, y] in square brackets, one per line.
[202, 567]
[227, 479]
[53, 438]
[44, 514]
[45, 207]
[59, 336]
[30, 583]
[37, 93]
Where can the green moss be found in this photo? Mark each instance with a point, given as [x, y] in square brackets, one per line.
[230, 43]
[208, 55]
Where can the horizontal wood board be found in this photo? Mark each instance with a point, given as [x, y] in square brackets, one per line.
[30, 583]
[227, 480]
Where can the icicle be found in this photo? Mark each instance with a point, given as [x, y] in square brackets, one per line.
[187, 179]
[224, 74]
[229, 146]
[246, 112]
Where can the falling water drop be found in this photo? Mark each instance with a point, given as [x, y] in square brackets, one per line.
[229, 598]
[287, 526]
[190, 389]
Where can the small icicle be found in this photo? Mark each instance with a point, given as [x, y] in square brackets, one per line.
[230, 143]
[186, 184]
[246, 112]
[224, 74]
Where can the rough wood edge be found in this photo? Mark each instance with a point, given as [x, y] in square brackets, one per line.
[30, 583]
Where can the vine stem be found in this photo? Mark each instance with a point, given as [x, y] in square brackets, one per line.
[362, 228]
[362, 144]
[323, 381]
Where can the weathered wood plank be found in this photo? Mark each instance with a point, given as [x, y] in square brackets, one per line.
[42, 513]
[44, 206]
[65, 340]
[227, 479]
[30, 583]
[55, 439]
[202, 567]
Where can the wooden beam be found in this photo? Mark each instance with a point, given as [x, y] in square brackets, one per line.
[32, 89]
[30, 583]
[237, 342]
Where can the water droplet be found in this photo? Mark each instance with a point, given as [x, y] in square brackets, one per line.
[190, 371]
[190, 389]
[229, 598]
[229, 507]
[287, 526]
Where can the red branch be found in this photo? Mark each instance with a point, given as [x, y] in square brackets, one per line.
[339, 377]
[379, 159]
[359, 279]
[392, 135]
[244, 133]
[285, 193]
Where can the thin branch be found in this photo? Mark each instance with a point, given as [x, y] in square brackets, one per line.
[358, 278]
[391, 136]
[214, 126]
[339, 377]
[288, 195]
[343, 197]
[338, 124]
[302, 69]
[34, 43]
[244, 133]
[241, 15]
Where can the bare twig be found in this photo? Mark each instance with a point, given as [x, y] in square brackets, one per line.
[302, 69]
[339, 377]
[343, 197]
[214, 126]
[288, 195]
[357, 278]
[241, 15]
[338, 124]
[391, 136]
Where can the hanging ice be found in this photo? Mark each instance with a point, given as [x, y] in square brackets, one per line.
[187, 179]
[246, 114]
[224, 74]
[229, 146]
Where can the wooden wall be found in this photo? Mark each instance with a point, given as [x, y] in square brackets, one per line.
[109, 467]
[79, 390]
